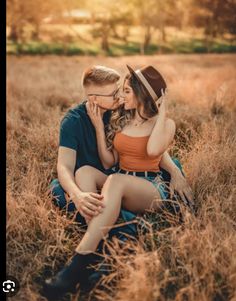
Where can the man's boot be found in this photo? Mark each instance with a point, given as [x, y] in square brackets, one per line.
[67, 279]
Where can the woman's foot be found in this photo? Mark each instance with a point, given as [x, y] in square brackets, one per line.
[67, 279]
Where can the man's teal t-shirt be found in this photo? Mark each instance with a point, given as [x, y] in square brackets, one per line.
[78, 133]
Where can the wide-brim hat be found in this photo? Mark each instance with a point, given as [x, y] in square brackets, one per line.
[151, 79]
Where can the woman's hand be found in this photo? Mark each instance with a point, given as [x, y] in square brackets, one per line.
[94, 113]
[161, 103]
[179, 184]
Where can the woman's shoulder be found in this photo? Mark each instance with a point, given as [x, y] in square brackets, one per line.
[168, 122]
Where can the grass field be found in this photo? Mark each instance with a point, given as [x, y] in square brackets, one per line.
[194, 261]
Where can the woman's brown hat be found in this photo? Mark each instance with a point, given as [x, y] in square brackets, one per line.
[151, 79]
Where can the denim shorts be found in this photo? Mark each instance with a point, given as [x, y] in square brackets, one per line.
[159, 184]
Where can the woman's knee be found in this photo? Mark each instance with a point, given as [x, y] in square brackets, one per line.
[114, 181]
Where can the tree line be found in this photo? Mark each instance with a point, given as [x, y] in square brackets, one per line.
[216, 17]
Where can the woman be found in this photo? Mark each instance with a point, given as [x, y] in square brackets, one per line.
[138, 136]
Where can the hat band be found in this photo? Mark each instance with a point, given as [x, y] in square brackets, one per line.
[146, 84]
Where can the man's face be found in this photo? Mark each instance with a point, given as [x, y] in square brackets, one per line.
[106, 96]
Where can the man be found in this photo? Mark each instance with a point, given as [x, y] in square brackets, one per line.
[78, 147]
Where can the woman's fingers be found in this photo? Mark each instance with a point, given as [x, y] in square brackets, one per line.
[120, 100]
[99, 111]
[183, 197]
[189, 195]
[171, 190]
[187, 192]
[191, 205]
[94, 109]
[90, 107]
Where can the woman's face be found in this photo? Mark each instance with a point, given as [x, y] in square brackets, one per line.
[130, 100]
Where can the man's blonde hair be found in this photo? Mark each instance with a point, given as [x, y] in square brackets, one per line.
[99, 75]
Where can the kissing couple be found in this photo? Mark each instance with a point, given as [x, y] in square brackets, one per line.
[113, 156]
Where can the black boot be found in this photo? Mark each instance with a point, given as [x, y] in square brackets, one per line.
[67, 279]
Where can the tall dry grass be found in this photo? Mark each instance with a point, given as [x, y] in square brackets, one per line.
[194, 260]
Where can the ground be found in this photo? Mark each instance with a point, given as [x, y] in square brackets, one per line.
[192, 261]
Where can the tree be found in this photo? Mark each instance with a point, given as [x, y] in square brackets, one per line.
[107, 15]
[152, 15]
[21, 13]
[15, 20]
[215, 16]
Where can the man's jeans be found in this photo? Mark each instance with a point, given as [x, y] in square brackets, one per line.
[121, 232]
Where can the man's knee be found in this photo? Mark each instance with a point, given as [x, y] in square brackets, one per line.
[83, 172]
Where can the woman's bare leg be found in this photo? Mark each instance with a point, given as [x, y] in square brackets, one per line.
[133, 193]
[137, 195]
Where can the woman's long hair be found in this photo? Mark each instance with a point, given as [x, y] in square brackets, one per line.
[122, 117]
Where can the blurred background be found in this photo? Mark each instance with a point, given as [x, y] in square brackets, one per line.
[120, 27]
[49, 45]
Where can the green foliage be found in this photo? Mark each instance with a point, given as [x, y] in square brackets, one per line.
[35, 48]
[118, 48]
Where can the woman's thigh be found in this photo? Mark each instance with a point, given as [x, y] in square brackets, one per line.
[138, 194]
[87, 175]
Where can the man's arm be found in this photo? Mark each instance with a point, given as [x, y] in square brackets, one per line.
[178, 181]
[86, 202]
[65, 170]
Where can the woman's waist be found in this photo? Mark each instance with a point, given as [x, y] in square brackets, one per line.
[139, 165]
[145, 173]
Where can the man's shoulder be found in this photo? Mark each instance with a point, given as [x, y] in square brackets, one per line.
[75, 114]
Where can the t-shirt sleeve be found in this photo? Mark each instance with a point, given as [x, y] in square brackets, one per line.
[69, 133]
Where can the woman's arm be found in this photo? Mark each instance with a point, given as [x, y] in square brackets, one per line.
[177, 182]
[162, 134]
[168, 164]
[107, 157]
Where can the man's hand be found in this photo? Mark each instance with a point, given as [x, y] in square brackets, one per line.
[179, 184]
[89, 204]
